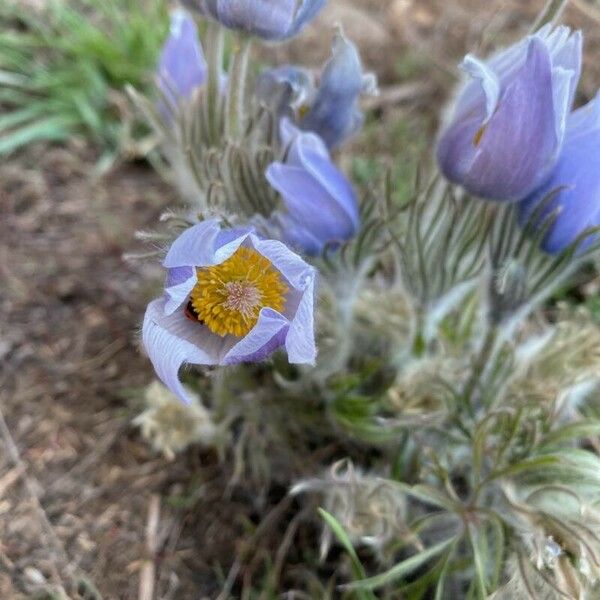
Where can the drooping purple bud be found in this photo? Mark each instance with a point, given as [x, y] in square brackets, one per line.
[334, 115]
[329, 109]
[320, 206]
[182, 68]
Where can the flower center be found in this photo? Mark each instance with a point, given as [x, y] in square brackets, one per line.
[229, 297]
[303, 110]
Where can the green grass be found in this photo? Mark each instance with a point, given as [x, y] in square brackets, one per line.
[401, 146]
[62, 70]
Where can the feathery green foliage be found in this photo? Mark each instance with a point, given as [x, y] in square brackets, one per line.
[63, 68]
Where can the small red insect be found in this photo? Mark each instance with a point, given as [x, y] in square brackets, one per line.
[191, 313]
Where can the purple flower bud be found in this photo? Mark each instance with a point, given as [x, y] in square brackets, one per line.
[508, 124]
[320, 204]
[267, 19]
[334, 114]
[182, 68]
[230, 297]
[286, 90]
[571, 197]
[330, 110]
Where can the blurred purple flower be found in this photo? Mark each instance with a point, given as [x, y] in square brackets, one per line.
[182, 68]
[508, 124]
[287, 90]
[574, 185]
[320, 204]
[334, 114]
[331, 110]
[230, 297]
[268, 19]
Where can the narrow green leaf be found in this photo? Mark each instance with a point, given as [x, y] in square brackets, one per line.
[550, 14]
[54, 128]
[573, 431]
[16, 79]
[499, 547]
[481, 578]
[537, 463]
[417, 589]
[344, 540]
[441, 583]
[17, 117]
[429, 495]
[88, 114]
[403, 568]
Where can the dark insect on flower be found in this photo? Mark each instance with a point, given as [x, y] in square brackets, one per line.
[191, 314]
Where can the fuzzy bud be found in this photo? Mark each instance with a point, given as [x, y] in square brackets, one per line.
[171, 426]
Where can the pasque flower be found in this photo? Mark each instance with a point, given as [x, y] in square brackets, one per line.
[267, 19]
[320, 206]
[182, 68]
[230, 297]
[569, 202]
[508, 124]
[331, 109]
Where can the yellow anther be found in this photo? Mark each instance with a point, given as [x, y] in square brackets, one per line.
[229, 297]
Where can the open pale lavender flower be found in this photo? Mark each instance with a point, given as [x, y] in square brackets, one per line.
[182, 68]
[230, 297]
[330, 110]
[508, 124]
[320, 206]
[571, 196]
[268, 19]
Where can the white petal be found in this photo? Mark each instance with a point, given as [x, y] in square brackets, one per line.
[194, 247]
[488, 79]
[173, 340]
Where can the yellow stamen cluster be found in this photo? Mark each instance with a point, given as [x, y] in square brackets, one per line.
[228, 297]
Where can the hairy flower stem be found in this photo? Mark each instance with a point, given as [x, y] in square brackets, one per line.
[220, 395]
[479, 366]
[343, 289]
[238, 80]
[215, 46]
[550, 13]
[419, 342]
[345, 320]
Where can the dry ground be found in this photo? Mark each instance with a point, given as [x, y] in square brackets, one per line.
[77, 485]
